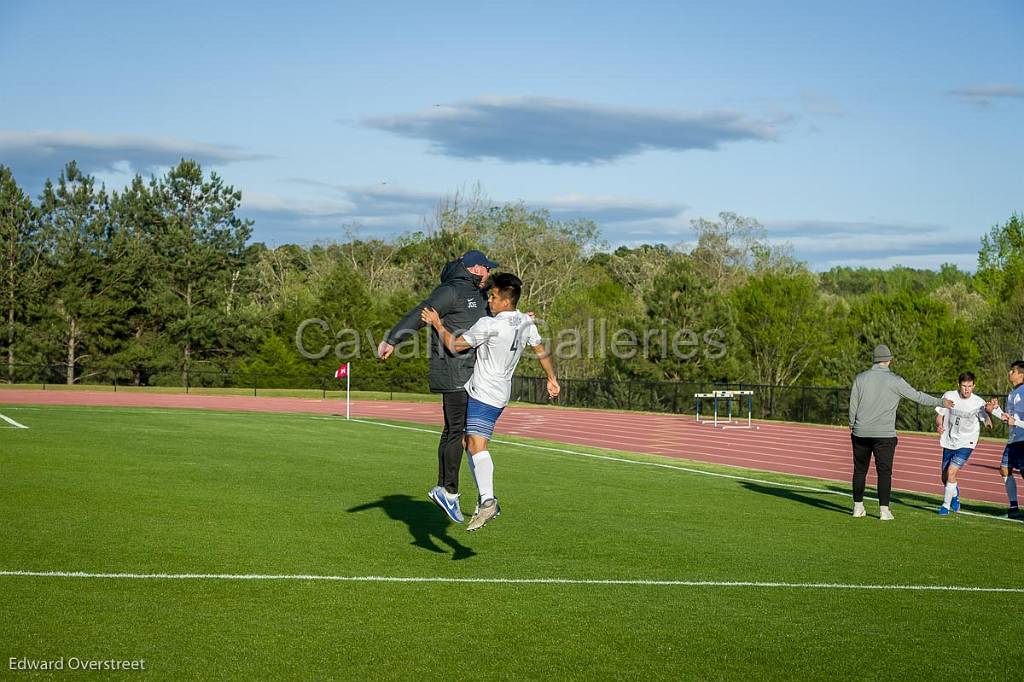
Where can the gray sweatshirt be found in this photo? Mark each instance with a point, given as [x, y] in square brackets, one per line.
[873, 401]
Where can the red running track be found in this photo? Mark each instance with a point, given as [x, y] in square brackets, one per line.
[807, 450]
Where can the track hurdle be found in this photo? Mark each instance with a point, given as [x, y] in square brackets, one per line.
[739, 395]
[698, 399]
[729, 397]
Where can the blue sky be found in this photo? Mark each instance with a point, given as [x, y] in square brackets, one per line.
[870, 133]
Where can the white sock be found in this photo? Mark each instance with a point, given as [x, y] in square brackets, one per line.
[951, 492]
[483, 471]
[1011, 488]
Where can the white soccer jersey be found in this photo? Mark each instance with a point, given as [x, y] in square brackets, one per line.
[499, 343]
[1015, 406]
[962, 424]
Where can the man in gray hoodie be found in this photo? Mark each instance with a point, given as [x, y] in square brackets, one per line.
[874, 398]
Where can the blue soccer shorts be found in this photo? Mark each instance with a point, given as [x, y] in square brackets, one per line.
[481, 418]
[1013, 456]
[957, 457]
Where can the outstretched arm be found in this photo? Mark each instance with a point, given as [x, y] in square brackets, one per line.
[455, 345]
[549, 368]
[1012, 416]
[905, 390]
[440, 299]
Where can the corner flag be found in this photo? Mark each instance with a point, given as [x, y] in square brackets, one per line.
[344, 372]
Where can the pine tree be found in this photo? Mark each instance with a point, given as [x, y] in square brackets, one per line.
[202, 264]
[80, 303]
[18, 254]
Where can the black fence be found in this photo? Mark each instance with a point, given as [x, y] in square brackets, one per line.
[810, 404]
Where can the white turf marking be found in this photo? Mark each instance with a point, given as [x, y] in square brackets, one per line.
[12, 422]
[506, 581]
[660, 465]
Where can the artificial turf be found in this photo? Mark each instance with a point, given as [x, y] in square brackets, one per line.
[102, 490]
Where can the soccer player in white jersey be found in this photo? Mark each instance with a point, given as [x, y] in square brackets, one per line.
[1013, 455]
[499, 343]
[959, 427]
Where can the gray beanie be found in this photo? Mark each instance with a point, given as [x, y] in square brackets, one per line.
[881, 353]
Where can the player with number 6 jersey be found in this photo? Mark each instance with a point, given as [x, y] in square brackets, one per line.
[960, 427]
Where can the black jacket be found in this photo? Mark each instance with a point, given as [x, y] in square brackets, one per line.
[460, 303]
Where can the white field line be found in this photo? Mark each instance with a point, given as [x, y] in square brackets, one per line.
[507, 581]
[12, 422]
[660, 465]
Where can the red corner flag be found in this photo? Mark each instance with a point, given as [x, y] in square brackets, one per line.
[344, 372]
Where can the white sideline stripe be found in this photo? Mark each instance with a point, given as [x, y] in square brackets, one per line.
[12, 422]
[660, 465]
[506, 581]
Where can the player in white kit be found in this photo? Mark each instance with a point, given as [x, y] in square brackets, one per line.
[499, 341]
[959, 427]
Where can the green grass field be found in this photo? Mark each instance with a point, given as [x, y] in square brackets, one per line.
[102, 490]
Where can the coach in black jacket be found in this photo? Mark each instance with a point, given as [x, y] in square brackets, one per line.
[460, 302]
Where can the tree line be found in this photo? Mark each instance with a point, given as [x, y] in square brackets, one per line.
[162, 278]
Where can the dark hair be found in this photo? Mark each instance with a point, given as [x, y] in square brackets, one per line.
[966, 376]
[508, 286]
[1017, 364]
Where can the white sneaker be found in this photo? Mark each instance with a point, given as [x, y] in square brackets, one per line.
[487, 511]
[884, 514]
[858, 510]
[497, 513]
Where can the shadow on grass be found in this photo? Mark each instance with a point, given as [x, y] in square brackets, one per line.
[919, 501]
[423, 519]
[930, 503]
[798, 496]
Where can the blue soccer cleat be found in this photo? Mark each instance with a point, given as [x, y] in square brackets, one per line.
[955, 504]
[943, 511]
[448, 503]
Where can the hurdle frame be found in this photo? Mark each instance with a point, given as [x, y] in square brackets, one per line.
[728, 397]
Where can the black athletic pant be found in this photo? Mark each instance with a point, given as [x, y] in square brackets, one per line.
[449, 450]
[884, 450]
